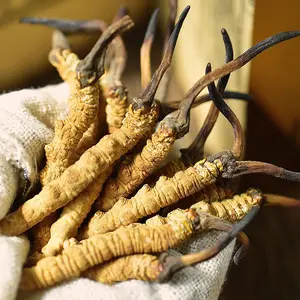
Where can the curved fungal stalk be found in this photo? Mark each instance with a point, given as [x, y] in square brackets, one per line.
[165, 64]
[229, 115]
[163, 89]
[61, 151]
[172, 264]
[145, 52]
[95, 160]
[195, 151]
[91, 68]
[167, 108]
[125, 241]
[239, 62]
[244, 167]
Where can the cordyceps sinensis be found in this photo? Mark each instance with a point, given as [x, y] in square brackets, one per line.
[98, 158]
[84, 108]
[133, 171]
[137, 239]
[128, 245]
[145, 64]
[150, 200]
[111, 85]
[214, 192]
[196, 148]
[160, 268]
[73, 214]
[112, 89]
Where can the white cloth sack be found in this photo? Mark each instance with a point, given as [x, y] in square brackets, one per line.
[26, 125]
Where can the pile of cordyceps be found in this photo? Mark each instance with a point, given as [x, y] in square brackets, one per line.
[109, 200]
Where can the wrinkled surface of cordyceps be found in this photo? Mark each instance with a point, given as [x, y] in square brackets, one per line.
[73, 215]
[149, 200]
[233, 209]
[131, 174]
[168, 170]
[60, 153]
[66, 62]
[100, 248]
[138, 266]
[84, 108]
[117, 103]
[212, 193]
[78, 176]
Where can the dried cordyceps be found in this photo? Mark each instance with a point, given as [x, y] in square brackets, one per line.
[149, 200]
[212, 193]
[233, 209]
[97, 159]
[112, 89]
[131, 175]
[148, 267]
[84, 107]
[157, 268]
[129, 250]
[60, 152]
[125, 241]
[138, 266]
[195, 151]
[73, 215]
